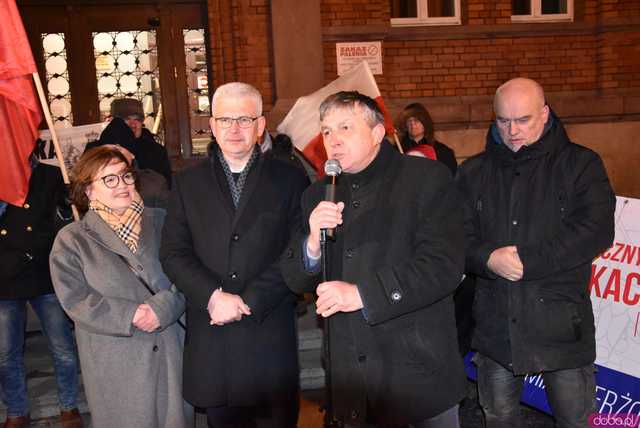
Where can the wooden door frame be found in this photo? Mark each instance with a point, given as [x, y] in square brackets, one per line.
[77, 19]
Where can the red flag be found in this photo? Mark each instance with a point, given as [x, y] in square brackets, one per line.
[302, 123]
[19, 108]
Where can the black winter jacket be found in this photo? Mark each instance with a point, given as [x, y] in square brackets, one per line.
[553, 201]
[148, 153]
[401, 243]
[27, 234]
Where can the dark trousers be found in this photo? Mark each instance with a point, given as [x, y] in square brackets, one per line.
[570, 392]
[447, 419]
[252, 417]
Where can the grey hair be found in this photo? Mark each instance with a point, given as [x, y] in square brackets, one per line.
[237, 90]
[350, 99]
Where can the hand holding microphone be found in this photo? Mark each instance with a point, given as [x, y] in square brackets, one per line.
[327, 214]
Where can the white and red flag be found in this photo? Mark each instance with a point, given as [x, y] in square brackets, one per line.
[19, 108]
[302, 123]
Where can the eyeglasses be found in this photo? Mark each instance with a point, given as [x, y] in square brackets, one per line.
[112, 180]
[242, 121]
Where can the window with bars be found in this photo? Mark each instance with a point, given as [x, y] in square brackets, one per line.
[425, 12]
[57, 79]
[541, 10]
[195, 56]
[127, 67]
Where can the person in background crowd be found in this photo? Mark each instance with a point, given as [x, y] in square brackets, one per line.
[148, 154]
[26, 237]
[284, 149]
[229, 220]
[393, 267]
[418, 140]
[107, 275]
[417, 126]
[539, 209]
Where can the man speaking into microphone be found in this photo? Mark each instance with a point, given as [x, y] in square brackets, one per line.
[392, 267]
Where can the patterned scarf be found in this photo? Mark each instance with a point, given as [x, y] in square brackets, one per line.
[128, 225]
[236, 186]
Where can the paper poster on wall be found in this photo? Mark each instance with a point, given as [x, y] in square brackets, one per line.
[351, 54]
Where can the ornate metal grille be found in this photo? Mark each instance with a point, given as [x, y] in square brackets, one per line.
[127, 67]
[57, 79]
[197, 89]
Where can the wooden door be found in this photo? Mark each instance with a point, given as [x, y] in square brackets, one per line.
[89, 53]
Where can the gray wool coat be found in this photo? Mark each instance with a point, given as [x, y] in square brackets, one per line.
[131, 378]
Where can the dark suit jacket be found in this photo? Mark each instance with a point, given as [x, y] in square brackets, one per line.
[206, 245]
[402, 245]
[27, 234]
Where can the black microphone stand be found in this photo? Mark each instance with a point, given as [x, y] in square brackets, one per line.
[329, 420]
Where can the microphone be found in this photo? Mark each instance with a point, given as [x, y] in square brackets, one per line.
[332, 168]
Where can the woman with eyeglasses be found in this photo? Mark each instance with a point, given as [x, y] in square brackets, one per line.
[107, 275]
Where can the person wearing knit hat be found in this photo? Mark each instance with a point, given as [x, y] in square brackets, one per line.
[130, 110]
[127, 129]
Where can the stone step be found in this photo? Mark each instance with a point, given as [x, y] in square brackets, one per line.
[309, 353]
[309, 339]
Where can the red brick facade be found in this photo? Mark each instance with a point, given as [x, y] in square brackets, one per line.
[241, 44]
[599, 50]
[589, 68]
[354, 12]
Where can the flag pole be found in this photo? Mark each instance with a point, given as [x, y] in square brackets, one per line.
[156, 123]
[54, 136]
[395, 138]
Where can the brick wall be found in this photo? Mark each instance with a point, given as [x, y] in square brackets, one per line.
[354, 12]
[482, 12]
[565, 57]
[618, 60]
[241, 44]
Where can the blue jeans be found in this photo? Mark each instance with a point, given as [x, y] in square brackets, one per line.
[571, 394]
[57, 328]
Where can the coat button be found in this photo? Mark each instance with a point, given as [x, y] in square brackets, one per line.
[514, 222]
[140, 268]
[354, 414]
[29, 229]
[235, 237]
[28, 256]
[396, 295]
[26, 206]
[355, 204]
[362, 358]
[290, 253]
[350, 253]
[233, 275]
[3, 232]
[155, 348]
[355, 186]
